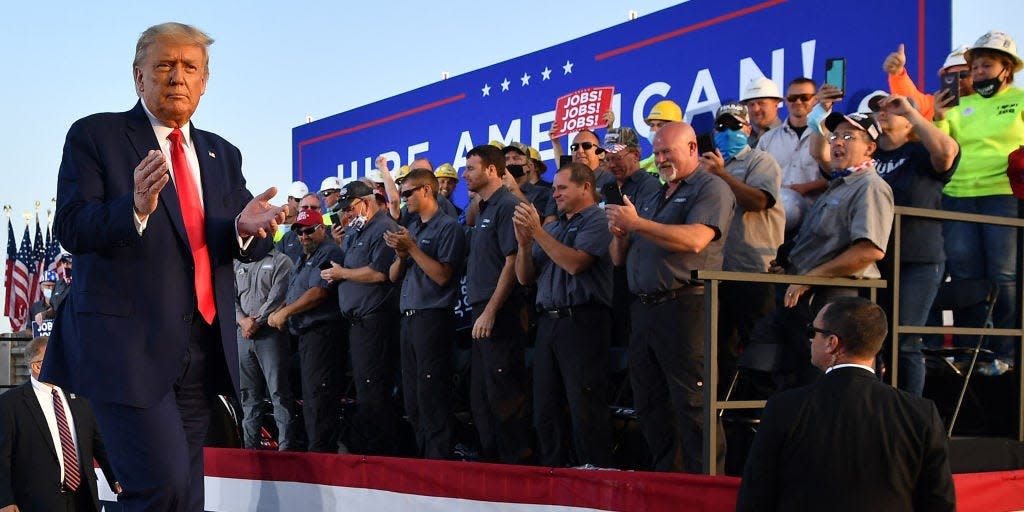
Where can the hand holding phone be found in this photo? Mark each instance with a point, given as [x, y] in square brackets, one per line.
[835, 73]
[951, 86]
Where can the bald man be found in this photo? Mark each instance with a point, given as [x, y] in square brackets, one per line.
[678, 230]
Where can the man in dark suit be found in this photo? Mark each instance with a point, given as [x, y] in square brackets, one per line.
[155, 211]
[848, 441]
[36, 470]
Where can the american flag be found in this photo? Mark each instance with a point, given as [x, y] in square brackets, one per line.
[12, 256]
[52, 249]
[37, 265]
[18, 287]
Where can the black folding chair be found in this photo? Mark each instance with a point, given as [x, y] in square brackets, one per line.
[958, 295]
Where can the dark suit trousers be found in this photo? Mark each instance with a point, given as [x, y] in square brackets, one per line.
[157, 451]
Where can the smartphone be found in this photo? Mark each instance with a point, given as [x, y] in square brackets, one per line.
[564, 160]
[325, 265]
[835, 73]
[335, 218]
[705, 143]
[612, 194]
[951, 84]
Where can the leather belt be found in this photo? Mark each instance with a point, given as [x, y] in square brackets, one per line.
[667, 295]
[566, 312]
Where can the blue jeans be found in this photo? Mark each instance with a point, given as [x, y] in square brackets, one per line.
[919, 282]
[984, 251]
[263, 371]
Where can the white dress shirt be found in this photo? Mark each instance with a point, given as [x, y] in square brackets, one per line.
[844, 365]
[44, 395]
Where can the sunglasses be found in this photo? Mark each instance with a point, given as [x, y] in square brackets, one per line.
[308, 230]
[326, 193]
[813, 331]
[793, 98]
[587, 146]
[963, 74]
[728, 124]
[406, 194]
[308, 207]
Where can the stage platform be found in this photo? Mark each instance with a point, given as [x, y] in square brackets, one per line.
[250, 480]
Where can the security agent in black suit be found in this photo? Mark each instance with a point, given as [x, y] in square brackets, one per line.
[848, 441]
[32, 475]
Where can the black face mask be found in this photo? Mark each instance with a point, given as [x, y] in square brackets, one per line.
[517, 171]
[989, 87]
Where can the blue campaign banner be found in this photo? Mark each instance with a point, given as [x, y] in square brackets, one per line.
[698, 54]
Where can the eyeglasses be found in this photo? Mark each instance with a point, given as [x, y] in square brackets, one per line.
[793, 98]
[406, 194]
[308, 230]
[310, 207]
[813, 331]
[847, 137]
[326, 193]
[349, 208]
[587, 146]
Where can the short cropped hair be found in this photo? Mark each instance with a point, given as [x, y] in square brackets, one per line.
[489, 155]
[859, 323]
[421, 177]
[802, 80]
[173, 31]
[35, 348]
[579, 174]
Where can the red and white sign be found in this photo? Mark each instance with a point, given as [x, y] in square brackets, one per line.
[581, 109]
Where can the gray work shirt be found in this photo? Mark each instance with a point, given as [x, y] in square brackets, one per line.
[491, 240]
[441, 239]
[541, 198]
[588, 232]
[755, 236]
[366, 248]
[856, 207]
[641, 187]
[700, 198]
[290, 246]
[306, 275]
[443, 206]
[261, 286]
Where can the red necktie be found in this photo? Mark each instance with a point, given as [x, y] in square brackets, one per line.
[192, 213]
[67, 445]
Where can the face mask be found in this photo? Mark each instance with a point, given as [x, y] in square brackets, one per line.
[47, 293]
[730, 142]
[988, 88]
[357, 222]
[516, 170]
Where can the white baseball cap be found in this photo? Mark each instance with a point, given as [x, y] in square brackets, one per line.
[298, 190]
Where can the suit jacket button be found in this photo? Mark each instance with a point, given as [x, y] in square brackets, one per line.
[187, 318]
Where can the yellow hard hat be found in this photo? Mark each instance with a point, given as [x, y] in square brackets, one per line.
[497, 143]
[446, 171]
[534, 154]
[665, 110]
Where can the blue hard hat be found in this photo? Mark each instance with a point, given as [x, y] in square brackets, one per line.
[48, 275]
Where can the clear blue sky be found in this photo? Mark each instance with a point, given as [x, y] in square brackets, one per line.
[274, 63]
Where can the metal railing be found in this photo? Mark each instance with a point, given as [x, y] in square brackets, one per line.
[712, 279]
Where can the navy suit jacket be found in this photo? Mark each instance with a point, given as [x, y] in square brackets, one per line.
[121, 334]
[848, 442]
[29, 469]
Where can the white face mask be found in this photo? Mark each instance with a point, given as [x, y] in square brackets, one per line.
[47, 293]
[357, 222]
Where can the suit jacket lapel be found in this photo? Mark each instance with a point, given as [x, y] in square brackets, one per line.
[32, 404]
[209, 165]
[140, 133]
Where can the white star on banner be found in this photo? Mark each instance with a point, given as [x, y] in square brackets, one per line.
[567, 68]
[525, 79]
[486, 90]
[504, 85]
[546, 74]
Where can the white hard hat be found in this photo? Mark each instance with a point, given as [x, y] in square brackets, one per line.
[330, 183]
[1000, 42]
[298, 190]
[760, 87]
[955, 58]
